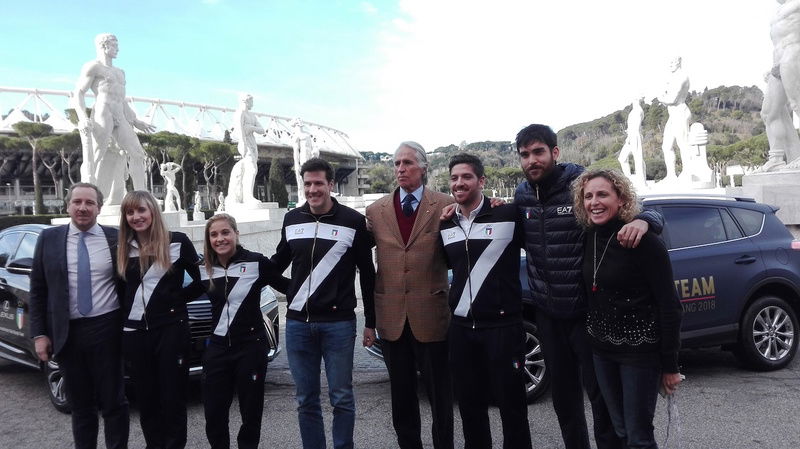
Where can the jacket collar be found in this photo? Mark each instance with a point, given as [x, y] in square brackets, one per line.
[486, 208]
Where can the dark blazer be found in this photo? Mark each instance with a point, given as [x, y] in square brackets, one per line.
[49, 295]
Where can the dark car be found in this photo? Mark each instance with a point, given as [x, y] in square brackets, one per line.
[737, 274]
[16, 258]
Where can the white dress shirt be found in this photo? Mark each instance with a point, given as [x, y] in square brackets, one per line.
[465, 221]
[104, 294]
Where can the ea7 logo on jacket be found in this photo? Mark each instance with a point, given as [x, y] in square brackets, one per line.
[564, 210]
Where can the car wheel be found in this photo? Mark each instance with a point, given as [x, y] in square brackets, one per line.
[769, 334]
[55, 387]
[537, 377]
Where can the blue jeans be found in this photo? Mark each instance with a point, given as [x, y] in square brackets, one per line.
[307, 344]
[630, 392]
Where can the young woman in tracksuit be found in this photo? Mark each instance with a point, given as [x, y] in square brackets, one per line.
[156, 336]
[236, 355]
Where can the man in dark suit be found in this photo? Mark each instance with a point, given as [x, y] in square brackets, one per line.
[75, 317]
[412, 313]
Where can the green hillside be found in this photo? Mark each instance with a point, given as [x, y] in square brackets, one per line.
[731, 115]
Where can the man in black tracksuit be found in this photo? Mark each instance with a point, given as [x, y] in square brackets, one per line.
[325, 242]
[486, 338]
[554, 247]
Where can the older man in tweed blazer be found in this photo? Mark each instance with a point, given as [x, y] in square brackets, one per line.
[411, 308]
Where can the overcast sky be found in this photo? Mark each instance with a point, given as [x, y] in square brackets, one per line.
[438, 72]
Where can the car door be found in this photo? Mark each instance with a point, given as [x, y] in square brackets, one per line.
[713, 265]
[12, 337]
[17, 282]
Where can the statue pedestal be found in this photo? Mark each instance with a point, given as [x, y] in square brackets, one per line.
[780, 189]
[244, 213]
[174, 220]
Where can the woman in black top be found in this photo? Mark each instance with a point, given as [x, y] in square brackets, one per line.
[156, 340]
[236, 354]
[634, 314]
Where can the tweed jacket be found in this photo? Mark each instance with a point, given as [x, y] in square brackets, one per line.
[411, 281]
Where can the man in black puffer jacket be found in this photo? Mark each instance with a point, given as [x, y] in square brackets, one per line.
[554, 246]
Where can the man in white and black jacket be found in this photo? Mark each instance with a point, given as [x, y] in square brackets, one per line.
[486, 338]
[325, 242]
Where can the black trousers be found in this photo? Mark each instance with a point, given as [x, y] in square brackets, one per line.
[568, 356]
[91, 363]
[160, 373]
[403, 357]
[488, 368]
[242, 367]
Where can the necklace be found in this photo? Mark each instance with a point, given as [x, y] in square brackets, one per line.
[595, 263]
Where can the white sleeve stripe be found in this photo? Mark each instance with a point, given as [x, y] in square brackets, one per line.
[149, 282]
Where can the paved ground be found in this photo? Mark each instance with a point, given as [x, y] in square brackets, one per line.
[720, 406]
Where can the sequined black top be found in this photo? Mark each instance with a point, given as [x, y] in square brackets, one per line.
[633, 306]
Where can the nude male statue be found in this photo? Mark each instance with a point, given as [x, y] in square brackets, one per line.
[633, 145]
[171, 196]
[303, 150]
[110, 145]
[783, 89]
[243, 174]
[676, 131]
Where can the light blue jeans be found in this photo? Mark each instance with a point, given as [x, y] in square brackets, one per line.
[307, 344]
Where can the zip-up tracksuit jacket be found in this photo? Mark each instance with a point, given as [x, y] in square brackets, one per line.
[157, 297]
[236, 296]
[486, 340]
[324, 252]
[237, 349]
[485, 289]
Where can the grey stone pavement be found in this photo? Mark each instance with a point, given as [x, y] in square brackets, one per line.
[720, 406]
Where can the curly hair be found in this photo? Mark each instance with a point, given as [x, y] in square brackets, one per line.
[622, 186]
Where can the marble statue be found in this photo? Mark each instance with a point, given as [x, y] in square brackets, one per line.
[109, 142]
[676, 131]
[695, 165]
[303, 150]
[221, 202]
[171, 195]
[197, 213]
[783, 89]
[633, 146]
[243, 174]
